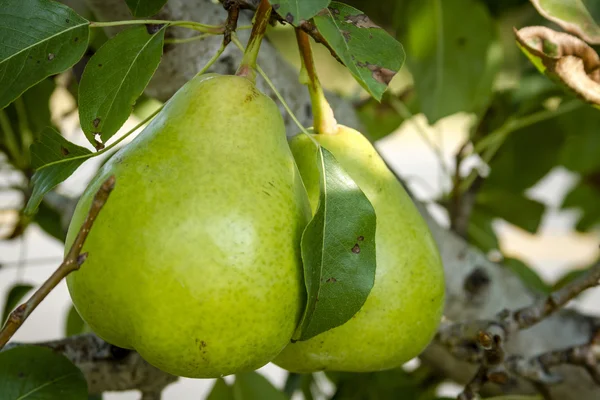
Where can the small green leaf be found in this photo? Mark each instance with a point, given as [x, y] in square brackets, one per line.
[13, 298]
[252, 386]
[338, 251]
[38, 38]
[145, 8]
[568, 278]
[575, 16]
[451, 55]
[55, 159]
[221, 391]
[527, 275]
[74, 324]
[514, 398]
[369, 52]
[296, 11]
[114, 78]
[580, 152]
[31, 372]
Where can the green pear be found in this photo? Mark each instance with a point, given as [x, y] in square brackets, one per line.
[404, 308]
[194, 261]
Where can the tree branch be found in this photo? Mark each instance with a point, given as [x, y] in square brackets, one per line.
[71, 262]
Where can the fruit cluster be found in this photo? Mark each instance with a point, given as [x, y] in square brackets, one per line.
[195, 261]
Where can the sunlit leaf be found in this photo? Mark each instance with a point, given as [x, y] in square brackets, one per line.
[370, 53]
[579, 17]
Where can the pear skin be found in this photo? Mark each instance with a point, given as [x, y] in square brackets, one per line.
[194, 261]
[404, 308]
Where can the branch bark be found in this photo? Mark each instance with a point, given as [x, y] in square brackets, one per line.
[477, 288]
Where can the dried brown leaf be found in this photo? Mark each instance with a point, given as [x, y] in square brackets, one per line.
[564, 58]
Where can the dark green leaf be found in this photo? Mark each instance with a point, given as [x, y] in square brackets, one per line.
[338, 251]
[581, 151]
[38, 38]
[252, 386]
[576, 16]
[31, 372]
[74, 325]
[450, 55]
[585, 197]
[391, 384]
[527, 275]
[382, 118]
[480, 232]
[512, 207]
[55, 159]
[568, 278]
[37, 106]
[114, 78]
[514, 398]
[50, 221]
[370, 53]
[95, 397]
[13, 298]
[221, 391]
[296, 11]
[526, 156]
[145, 8]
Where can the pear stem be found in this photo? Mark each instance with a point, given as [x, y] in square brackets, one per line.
[261, 20]
[71, 262]
[323, 119]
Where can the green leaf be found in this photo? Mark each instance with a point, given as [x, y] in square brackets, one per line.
[55, 159]
[451, 55]
[526, 156]
[338, 251]
[480, 231]
[585, 196]
[297, 11]
[382, 118]
[74, 324]
[114, 78]
[390, 384]
[568, 278]
[576, 16]
[13, 298]
[50, 221]
[514, 398]
[370, 53]
[580, 152]
[221, 391]
[512, 207]
[30, 372]
[38, 38]
[527, 275]
[145, 8]
[252, 386]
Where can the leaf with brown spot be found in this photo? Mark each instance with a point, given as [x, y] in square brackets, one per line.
[576, 16]
[370, 53]
[564, 58]
[297, 11]
[331, 252]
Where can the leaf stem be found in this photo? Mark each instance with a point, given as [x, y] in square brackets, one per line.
[214, 58]
[261, 20]
[197, 26]
[489, 146]
[323, 119]
[72, 261]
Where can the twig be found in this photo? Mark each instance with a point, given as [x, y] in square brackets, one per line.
[233, 13]
[71, 262]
